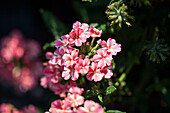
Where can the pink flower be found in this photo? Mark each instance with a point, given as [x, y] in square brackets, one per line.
[90, 107]
[62, 43]
[70, 59]
[74, 99]
[102, 58]
[19, 62]
[76, 90]
[60, 106]
[30, 109]
[83, 26]
[49, 55]
[79, 34]
[70, 72]
[52, 74]
[59, 89]
[57, 58]
[44, 82]
[112, 46]
[83, 65]
[6, 108]
[107, 71]
[94, 32]
[94, 73]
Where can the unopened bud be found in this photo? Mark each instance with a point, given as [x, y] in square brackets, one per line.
[99, 41]
[87, 43]
[49, 55]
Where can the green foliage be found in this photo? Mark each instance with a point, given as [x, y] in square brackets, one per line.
[47, 45]
[54, 25]
[100, 97]
[110, 89]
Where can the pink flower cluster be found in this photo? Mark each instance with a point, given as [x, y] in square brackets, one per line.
[72, 103]
[19, 63]
[72, 63]
[9, 108]
[74, 56]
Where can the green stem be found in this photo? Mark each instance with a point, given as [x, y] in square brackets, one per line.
[92, 50]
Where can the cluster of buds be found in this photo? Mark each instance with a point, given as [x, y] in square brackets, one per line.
[9, 108]
[19, 63]
[68, 62]
[117, 12]
[73, 102]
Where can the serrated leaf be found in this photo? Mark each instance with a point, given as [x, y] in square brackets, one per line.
[110, 89]
[114, 111]
[55, 26]
[100, 98]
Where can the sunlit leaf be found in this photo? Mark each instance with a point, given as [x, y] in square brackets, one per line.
[110, 89]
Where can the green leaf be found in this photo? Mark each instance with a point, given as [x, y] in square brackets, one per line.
[94, 24]
[47, 45]
[102, 27]
[110, 89]
[114, 111]
[87, 0]
[100, 98]
[55, 26]
[122, 77]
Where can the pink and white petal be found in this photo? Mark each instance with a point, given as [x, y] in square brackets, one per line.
[98, 76]
[86, 61]
[101, 63]
[85, 26]
[74, 54]
[43, 82]
[67, 57]
[103, 44]
[58, 43]
[89, 76]
[74, 75]
[101, 51]
[96, 58]
[109, 74]
[80, 61]
[110, 42]
[116, 48]
[78, 42]
[80, 99]
[88, 104]
[93, 66]
[66, 75]
[82, 110]
[76, 25]
[108, 60]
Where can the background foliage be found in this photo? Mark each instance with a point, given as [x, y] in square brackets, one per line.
[141, 79]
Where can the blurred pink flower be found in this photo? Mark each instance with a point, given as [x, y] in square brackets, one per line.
[19, 63]
[9, 108]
